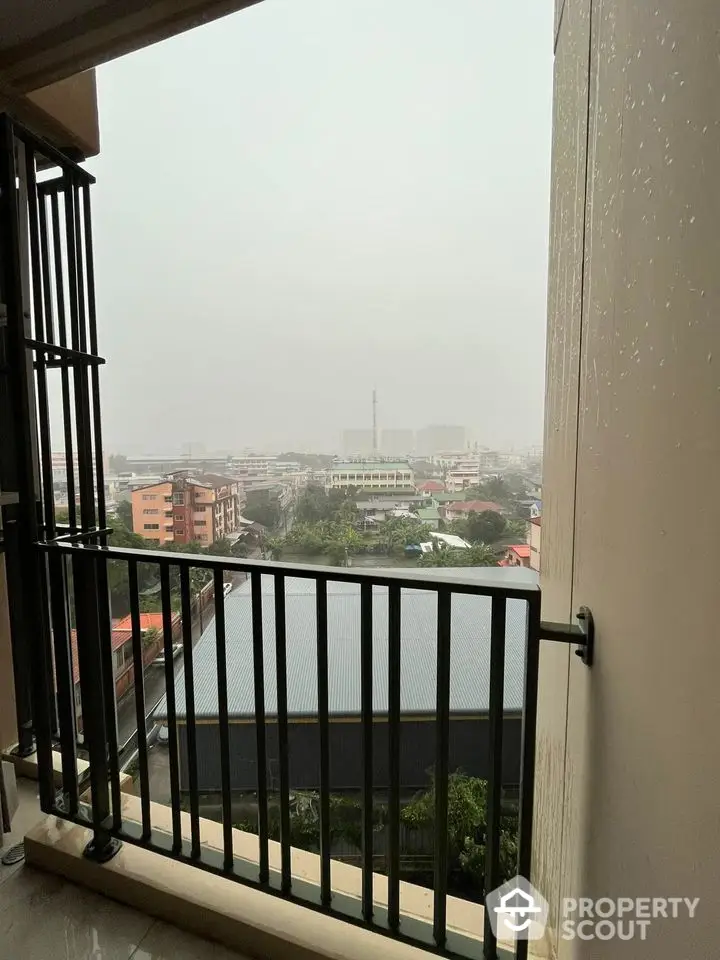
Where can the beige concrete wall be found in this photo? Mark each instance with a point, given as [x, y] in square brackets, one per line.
[65, 113]
[73, 103]
[627, 795]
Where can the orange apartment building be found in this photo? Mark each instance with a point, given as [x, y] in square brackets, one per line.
[181, 509]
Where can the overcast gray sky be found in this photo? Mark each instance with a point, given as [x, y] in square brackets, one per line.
[313, 197]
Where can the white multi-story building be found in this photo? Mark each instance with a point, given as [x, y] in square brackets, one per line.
[466, 472]
[252, 465]
[372, 475]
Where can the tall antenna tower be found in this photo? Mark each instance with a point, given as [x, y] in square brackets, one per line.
[375, 432]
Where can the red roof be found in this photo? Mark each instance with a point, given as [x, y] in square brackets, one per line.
[431, 486]
[148, 621]
[521, 549]
[536, 520]
[121, 633]
[473, 506]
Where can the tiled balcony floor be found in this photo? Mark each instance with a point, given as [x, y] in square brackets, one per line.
[43, 917]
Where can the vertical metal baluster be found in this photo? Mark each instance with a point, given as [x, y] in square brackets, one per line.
[139, 682]
[165, 598]
[43, 408]
[65, 681]
[45, 266]
[108, 668]
[527, 762]
[495, 734]
[324, 723]
[259, 686]
[94, 371]
[366, 715]
[102, 846]
[64, 371]
[394, 626]
[190, 711]
[442, 758]
[223, 721]
[282, 718]
[80, 372]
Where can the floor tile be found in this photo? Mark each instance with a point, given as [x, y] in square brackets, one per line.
[25, 817]
[42, 917]
[165, 942]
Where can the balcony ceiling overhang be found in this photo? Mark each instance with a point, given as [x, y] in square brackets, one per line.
[43, 41]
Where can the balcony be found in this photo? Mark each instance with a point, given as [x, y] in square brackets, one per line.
[311, 682]
[625, 787]
[316, 695]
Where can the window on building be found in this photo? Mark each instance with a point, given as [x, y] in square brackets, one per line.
[127, 652]
[180, 531]
[178, 498]
[151, 510]
[202, 536]
[179, 516]
[149, 496]
[151, 526]
[119, 659]
[201, 523]
[168, 499]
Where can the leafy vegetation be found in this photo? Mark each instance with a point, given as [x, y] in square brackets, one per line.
[479, 555]
[466, 825]
[315, 461]
[489, 526]
[507, 491]
[262, 508]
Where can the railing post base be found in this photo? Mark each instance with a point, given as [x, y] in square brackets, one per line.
[100, 850]
[24, 749]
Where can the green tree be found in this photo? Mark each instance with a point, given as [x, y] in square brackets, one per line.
[485, 527]
[240, 549]
[479, 555]
[516, 531]
[117, 463]
[397, 533]
[466, 825]
[274, 547]
[150, 636]
[263, 509]
[124, 513]
[221, 548]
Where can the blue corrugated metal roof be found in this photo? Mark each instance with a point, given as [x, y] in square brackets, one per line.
[470, 652]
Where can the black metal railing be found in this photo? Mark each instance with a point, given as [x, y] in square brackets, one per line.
[375, 621]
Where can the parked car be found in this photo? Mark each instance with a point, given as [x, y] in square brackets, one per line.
[227, 587]
[176, 651]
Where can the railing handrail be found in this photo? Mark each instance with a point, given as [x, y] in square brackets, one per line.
[377, 576]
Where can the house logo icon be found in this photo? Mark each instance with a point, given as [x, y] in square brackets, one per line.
[517, 911]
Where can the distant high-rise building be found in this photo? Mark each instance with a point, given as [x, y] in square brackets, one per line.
[397, 443]
[357, 443]
[440, 439]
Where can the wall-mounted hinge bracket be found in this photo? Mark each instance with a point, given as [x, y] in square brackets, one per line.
[580, 634]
